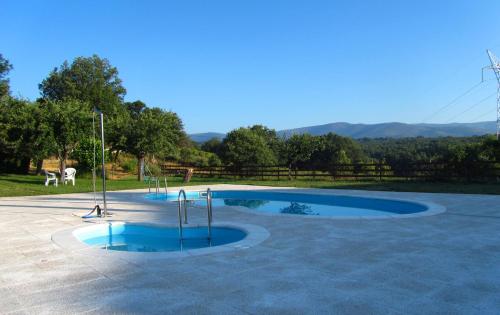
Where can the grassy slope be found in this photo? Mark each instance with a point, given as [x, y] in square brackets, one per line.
[24, 185]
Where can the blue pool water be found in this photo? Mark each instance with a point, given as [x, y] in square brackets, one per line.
[302, 204]
[146, 238]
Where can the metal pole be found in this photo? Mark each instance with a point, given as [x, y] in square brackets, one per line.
[94, 158]
[495, 66]
[498, 111]
[182, 193]
[103, 166]
[209, 212]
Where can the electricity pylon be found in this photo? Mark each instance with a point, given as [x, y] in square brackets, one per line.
[495, 66]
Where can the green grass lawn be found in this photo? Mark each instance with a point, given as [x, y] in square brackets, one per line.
[386, 185]
[28, 185]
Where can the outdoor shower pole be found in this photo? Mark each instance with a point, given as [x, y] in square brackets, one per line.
[103, 166]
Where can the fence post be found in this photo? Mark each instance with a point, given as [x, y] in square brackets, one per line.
[278, 173]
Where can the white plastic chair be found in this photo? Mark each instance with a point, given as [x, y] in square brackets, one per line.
[69, 175]
[50, 177]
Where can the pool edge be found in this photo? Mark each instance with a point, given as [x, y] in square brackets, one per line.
[68, 242]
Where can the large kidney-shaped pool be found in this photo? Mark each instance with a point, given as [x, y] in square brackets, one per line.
[309, 204]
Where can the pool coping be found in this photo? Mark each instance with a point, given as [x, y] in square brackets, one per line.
[432, 208]
[68, 242]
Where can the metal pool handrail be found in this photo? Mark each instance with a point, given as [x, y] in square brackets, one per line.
[209, 212]
[182, 203]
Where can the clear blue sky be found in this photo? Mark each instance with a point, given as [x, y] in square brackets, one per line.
[284, 64]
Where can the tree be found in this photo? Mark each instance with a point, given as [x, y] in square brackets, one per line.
[88, 79]
[298, 149]
[270, 136]
[213, 145]
[69, 121]
[116, 128]
[333, 150]
[5, 68]
[84, 152]
[94, 82]
[490, 149]
[246, 147]
[153, 131]
[135, 108]
[23, 135]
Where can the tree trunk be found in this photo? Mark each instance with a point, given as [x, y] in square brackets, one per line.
[25, 166]
[39, 166]
[62, 165]
[140, 168]
[290, 172]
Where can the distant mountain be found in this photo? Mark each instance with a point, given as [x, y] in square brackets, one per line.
[204, 137]
[383, 130]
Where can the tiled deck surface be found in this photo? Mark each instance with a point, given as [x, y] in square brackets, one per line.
[443, 264]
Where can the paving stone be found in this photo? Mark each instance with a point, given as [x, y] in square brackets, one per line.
[442, 264]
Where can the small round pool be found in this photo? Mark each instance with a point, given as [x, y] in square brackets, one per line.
[308, 204]
[120, 236]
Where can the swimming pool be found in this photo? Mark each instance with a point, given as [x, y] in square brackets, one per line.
[307, 204]
[120, 236]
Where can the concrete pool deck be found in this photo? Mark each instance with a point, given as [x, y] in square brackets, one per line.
[447, 263]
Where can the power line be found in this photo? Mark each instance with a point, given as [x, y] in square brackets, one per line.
[453, 101]
[471, 107]
[482, 115]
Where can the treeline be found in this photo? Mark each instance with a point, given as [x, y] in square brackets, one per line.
[60, 122]
[259, 146]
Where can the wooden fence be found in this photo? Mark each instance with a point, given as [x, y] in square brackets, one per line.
[477, 171]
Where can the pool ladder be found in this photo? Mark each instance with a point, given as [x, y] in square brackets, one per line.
[182, 206]
[157, 184]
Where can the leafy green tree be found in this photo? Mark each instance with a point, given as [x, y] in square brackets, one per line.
[213, 145]
[24, 136]
[490, 149]
[121, 122]
[298, 150]
[92, 80]
[95, 82]
[334, 150]
[135, 108]
[246, 147]
[270, 136]
[153, 131]
[83, 153]
[69, 122]
[5, 68]
[116, 128]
